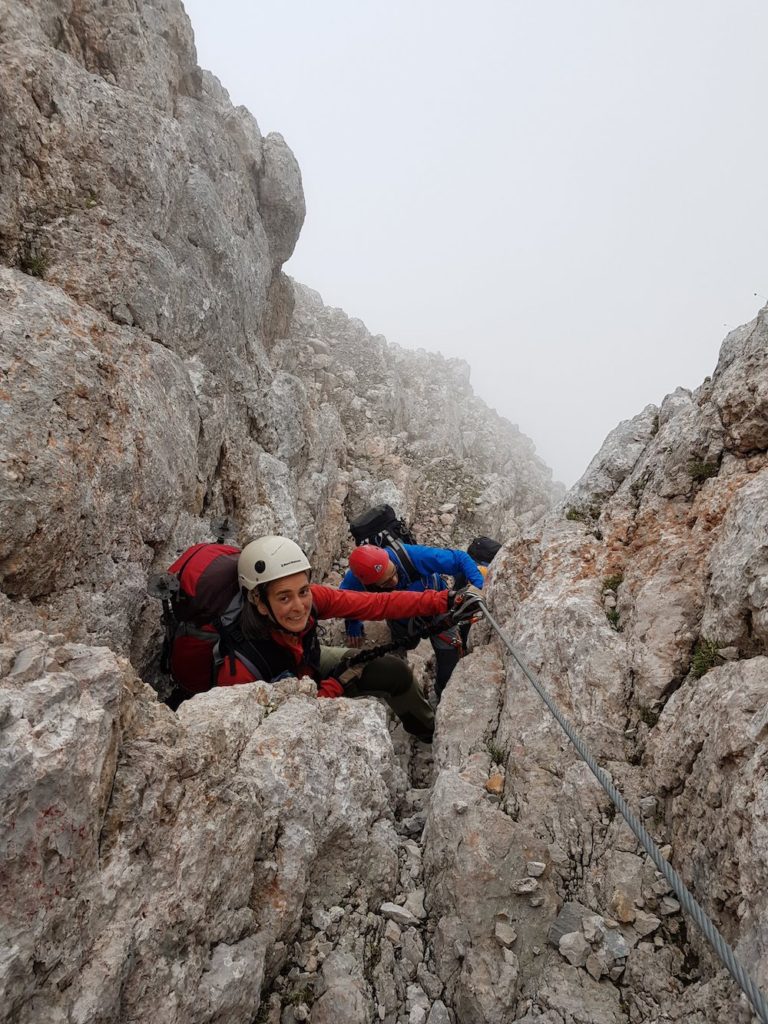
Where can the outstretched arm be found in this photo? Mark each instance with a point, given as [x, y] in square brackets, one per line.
[399, 604]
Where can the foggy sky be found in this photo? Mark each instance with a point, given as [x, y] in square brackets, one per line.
[569, 194]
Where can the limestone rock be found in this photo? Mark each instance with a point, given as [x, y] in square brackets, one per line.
[570, 990]
[495, 785]
[218, 798]
[669, 518]
[281, 198]
[400, 915]
[569, 920]
[343, 996]
[414, 904]
[575, 948]
[645, 924]
[596, 966]
[439, 1014]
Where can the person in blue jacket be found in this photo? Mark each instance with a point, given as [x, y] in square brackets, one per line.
[482, 550]
[411, 567]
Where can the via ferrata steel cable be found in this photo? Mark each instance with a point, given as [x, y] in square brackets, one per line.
[687, 901]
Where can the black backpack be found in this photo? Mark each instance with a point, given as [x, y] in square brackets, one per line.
[380, 526]
[483, 549]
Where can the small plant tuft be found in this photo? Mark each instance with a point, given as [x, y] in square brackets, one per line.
[612, 614]
[304, 994]
[649, 715]
[33, 259]
[497, 753]
[584, 514]
[705, 656]
[262, 1017]
[613, 582]
[576, 515]
[637, 487]
[701, 471]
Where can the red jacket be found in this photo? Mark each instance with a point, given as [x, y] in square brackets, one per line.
[330, 603]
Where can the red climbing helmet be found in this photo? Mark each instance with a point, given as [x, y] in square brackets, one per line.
[370, 564]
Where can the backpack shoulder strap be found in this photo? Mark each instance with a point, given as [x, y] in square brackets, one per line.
[403, 558]
[232, 644]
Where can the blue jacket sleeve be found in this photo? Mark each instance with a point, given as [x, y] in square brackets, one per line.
[450, 561]
[352, 627]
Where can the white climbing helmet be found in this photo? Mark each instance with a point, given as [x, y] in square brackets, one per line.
[269, 558]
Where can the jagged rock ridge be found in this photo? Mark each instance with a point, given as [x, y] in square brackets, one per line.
[641, 603]
[158, 370]
[148, 328]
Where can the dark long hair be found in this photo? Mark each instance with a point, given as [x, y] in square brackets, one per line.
[253, 624]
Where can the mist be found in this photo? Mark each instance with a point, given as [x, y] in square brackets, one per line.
[569, 196]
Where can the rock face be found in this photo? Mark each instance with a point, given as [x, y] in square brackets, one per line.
[159, 370]
[416, 436]
[160, 864]
[640, 602]
[264, 856]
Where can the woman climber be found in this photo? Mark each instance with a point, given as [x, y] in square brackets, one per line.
[276, 634]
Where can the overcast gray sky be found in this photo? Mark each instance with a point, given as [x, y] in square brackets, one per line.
[569, 194]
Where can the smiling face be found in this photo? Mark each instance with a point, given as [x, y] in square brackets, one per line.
[290, 601]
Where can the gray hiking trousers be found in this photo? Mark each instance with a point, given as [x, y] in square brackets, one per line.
[391, 680]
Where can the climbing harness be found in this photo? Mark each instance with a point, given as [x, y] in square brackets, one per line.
[687, 901]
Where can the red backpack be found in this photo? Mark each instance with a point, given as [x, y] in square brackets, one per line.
[201, 596]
